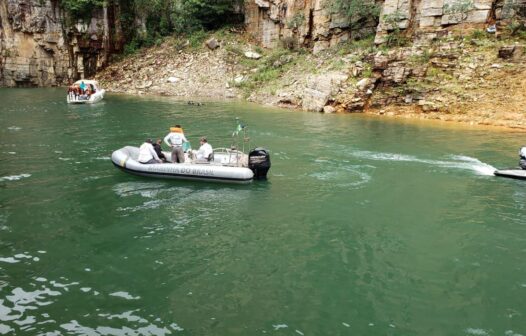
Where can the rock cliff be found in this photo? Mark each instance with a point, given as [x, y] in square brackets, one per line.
[41, 45]
[304, 23]
[38, 48]
[314, 23]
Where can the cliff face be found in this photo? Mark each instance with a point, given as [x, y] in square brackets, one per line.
[40, 45]
[429, 18]
[37, 48]
[306, 23]
[313, 23]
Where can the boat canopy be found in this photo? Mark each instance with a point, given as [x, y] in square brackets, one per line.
[87, 82]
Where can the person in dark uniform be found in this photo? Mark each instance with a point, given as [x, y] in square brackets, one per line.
[159, 150]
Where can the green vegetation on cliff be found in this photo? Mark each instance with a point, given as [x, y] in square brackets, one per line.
[146, 22]
[80, 9]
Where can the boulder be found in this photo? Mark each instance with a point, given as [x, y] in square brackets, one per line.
[319, 46]
[363, 84]
[144, 85]
[262, 3]
[252, 55]
[511, 52]
[329, 109]
[380, 62]
[212, 43]
[230, 94]
[320, 88]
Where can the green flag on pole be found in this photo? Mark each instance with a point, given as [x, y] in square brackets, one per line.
[239, 128]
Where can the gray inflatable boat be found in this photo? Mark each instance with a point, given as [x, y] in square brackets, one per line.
[515, 173]
[226, 165]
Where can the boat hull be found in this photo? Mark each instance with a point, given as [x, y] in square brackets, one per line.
[125, 159]
[515, 173]
[94, 98]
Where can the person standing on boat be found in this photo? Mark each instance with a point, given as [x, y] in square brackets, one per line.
[82, 87]
[159, 150]
[204, 152]
[147, 154]
[522, 155]
[175, 140]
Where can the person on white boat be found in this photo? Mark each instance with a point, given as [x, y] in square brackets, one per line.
[147, 154]
[205, 151]
[158, 149]
[522, 155]
[175, 140]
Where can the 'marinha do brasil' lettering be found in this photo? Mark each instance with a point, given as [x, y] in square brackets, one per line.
[184, 170]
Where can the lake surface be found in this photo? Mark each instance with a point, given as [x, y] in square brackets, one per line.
[365, 226]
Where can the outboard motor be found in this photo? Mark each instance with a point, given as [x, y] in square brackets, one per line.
[259, 162]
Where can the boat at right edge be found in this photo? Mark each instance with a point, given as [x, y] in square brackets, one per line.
[514, 173]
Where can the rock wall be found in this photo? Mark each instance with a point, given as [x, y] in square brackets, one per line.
[428, 18]
[312, 23]
[37, 48]
[307, 23]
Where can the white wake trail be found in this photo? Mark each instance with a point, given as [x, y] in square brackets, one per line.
[453, 161]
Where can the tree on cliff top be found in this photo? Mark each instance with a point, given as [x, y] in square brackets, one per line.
[145, 22]
[165, 16]
[81, 9]
[358, 12]
[191, 15]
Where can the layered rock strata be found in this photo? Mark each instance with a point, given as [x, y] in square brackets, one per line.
[304, 23]
[37, 48]
[314, 23]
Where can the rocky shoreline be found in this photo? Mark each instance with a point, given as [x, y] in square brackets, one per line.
[476, 81]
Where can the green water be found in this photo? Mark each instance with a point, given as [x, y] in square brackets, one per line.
[364, 227]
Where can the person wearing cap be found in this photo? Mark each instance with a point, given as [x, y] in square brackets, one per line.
[175, 140]
[147, 154]
[522, 156]
[204, 152]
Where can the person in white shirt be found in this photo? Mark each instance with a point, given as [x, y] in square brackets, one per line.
[204, 151]
[522, 155]
[147, 154]
[175, 140]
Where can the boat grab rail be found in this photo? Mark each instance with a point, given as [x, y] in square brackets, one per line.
[234, 156]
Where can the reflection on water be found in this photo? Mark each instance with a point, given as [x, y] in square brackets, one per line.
[364, 227]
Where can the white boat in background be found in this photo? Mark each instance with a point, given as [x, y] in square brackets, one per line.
[92, 93]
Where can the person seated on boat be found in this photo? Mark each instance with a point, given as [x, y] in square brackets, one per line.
[159, 150]
[92, 88]
[175, 140]
[205, 152]
[71, 92]
[82, 87]
[522, 155]
[147, 154]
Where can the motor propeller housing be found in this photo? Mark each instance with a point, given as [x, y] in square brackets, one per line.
[259, 162]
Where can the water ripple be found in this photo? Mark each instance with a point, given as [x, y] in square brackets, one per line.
[14, 177]
[125, 295]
